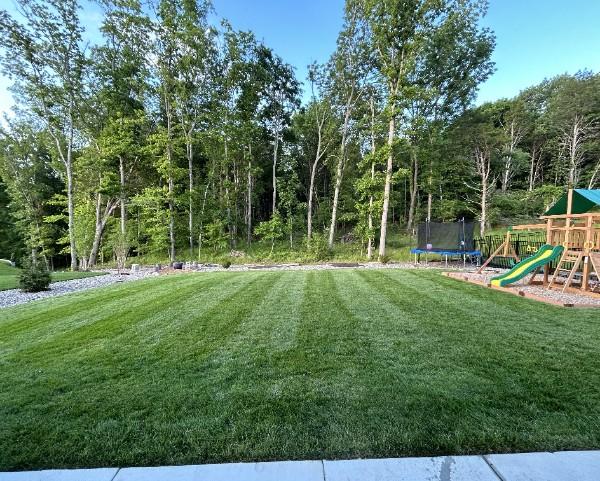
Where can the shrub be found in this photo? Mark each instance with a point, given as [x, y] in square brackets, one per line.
[34, 276]
[384, 259]
[318, 247]
[271, 230]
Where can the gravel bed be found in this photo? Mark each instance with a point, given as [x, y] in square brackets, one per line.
[13, 297]
[554, 295]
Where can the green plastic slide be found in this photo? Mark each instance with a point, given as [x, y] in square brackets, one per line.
[545, 255]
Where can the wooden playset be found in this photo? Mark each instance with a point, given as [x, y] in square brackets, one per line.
[572, 227]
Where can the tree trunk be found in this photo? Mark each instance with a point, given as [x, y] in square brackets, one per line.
[414, 190]
[429, 205]
[371, 240]
[71, 210]
[313, 171]
[311, 188]
[574, 148]
[249, 198]
[122, 199]
[190, 156]
[275, 151]
[387, 188]
[101, 221]
[171, 222]
[594, 175]
[170, 180]
[338, 175]
[483, 218]
[532, 168]
[370, 220]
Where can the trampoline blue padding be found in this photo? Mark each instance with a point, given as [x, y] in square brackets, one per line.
[446, 252]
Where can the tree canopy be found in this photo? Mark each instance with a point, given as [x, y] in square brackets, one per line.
[173, 137]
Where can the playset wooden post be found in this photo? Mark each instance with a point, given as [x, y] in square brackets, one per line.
[507, 251]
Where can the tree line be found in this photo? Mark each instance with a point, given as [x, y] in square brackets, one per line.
[173, 137]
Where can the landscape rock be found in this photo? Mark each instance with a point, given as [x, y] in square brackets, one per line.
[13, 297]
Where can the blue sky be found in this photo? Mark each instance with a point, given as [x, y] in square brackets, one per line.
[535, 38]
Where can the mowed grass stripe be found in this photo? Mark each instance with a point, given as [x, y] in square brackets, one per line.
[96, 346]
[59, 325]
[416, 393]
[494, 349]
[488, 320]
[137, 389]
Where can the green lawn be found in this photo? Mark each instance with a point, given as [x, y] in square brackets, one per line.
[292, 365]
[9, 276]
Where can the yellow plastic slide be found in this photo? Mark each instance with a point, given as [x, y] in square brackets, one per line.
[545, 255]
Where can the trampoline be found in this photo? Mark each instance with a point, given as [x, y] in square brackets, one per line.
[446, 239]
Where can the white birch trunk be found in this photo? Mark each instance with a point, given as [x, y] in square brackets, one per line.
[387, 188]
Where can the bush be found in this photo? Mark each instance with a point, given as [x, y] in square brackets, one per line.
[318, 247]
[34, 276]
[272, 230]
[384, 259]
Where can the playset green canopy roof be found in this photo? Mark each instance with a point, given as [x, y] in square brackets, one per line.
[584, 200]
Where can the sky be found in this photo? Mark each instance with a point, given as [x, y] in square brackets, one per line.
[535, 39]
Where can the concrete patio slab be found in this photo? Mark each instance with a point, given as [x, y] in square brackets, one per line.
[447, 468]
[562, 466]
[102, 474]
[275, 471]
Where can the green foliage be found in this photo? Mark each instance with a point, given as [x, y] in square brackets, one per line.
[271, 230]
[317, 247]
[170, 134]
[34, 275]
[151, 204]
[214, 235]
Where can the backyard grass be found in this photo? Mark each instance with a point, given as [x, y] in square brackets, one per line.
[9, 276]
[197, 368]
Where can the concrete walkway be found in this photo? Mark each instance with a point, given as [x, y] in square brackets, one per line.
[561, 466]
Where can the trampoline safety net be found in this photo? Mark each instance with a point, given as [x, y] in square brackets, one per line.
[455, 236]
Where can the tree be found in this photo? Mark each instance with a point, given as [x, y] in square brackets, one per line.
[10, 241]
[404, 37]
[280, 94]
[30, 181]
[121, 82]
[573, 109]
[195, 67]
[166, 51]
[348, 69]
[45, 57]
[479, 132]
[455, 61]
[272, 229]
[319, 113]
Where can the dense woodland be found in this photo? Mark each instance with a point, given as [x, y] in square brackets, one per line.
[174, 138]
